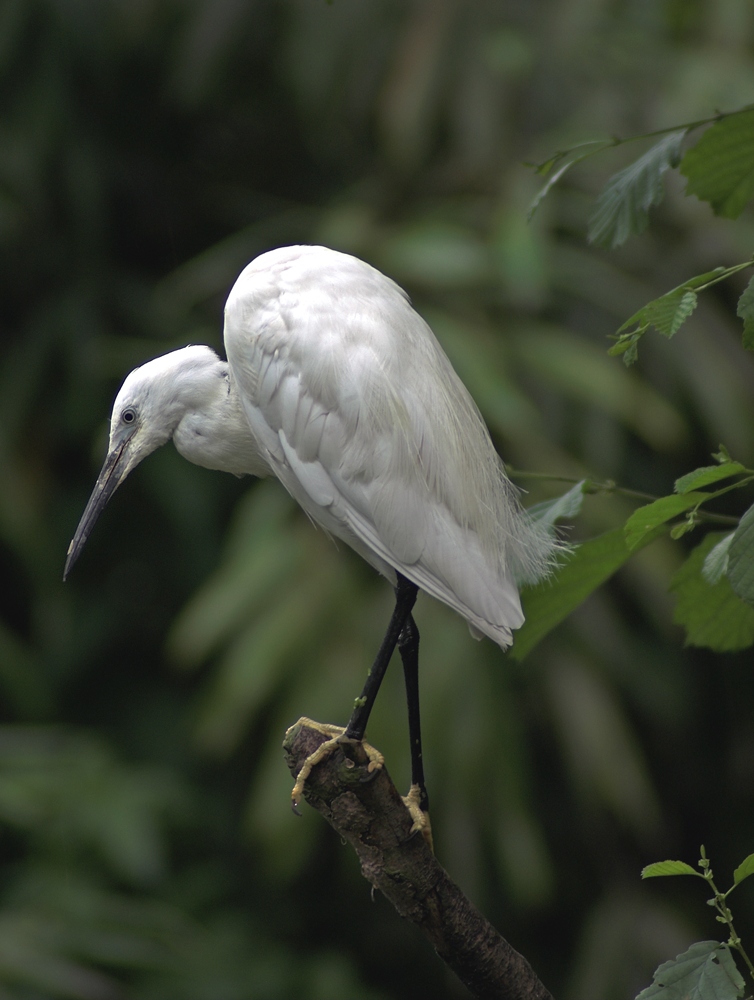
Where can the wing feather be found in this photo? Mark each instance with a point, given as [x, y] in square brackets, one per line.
[370, 429]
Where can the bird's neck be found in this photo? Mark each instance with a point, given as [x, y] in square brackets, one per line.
[216, 434]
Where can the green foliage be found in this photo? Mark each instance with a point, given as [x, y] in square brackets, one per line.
[712, 590]
[711, 613]
[667, 313]
[645, 519]
[745, 311]
[708, 475]
[715, 564]
[719, 167]
[582, 571]
[659, 868]
[741, 558]
[147, 152]
[705, 971]
[622, 208]
[744, 870]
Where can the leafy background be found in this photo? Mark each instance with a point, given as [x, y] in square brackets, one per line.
[148, 149]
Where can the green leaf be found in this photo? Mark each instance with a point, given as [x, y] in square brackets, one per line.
[679, 530]
[706, 475]
[706, 971]
[631, 354]
[622, 209]
[670, 311]
[741, 558]
[720, 167]
[667, 312]
[544, 169]
[566, 506]
[586, 568]
[715, 565]
[745, 869]
[669, 868]
[644, 519]
[712, 614]
[745, 311]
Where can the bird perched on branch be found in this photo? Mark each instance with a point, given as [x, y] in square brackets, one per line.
[337, 387]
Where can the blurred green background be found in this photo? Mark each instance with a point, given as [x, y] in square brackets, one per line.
[148, 150]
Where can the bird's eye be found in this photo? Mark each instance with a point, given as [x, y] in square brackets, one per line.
[128, 416]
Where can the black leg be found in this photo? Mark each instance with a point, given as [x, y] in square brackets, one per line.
[408, 645]
[405, 598]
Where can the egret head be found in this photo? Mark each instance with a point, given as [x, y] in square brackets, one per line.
[147, 410]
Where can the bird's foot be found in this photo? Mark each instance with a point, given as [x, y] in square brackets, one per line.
[420, 816]
[323, 751]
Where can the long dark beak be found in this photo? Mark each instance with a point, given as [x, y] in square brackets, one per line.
[112, 475]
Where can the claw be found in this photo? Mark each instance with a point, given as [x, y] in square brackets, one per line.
[323, 751]
[421, 823]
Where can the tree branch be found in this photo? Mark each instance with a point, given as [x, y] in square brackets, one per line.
[367, 810]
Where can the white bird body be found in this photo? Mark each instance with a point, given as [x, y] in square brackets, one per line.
[338, 388]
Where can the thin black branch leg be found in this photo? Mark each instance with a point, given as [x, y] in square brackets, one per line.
[405, 598]
[408, 646]
[417, 800]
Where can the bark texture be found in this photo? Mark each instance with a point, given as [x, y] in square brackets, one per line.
[367, 810]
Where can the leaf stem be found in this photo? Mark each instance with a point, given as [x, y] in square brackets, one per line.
[719, 901]
[611, 487]
[616, 140]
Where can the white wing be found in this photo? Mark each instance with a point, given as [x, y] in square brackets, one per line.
[366, 424]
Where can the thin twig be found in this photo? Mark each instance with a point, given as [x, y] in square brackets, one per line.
[611, 487]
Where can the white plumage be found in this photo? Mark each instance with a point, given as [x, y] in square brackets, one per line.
[337, 387]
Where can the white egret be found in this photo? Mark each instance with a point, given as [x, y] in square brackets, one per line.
[336, 386]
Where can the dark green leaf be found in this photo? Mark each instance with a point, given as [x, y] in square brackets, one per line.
[706, 475]
[712, 614]
[745, 869]
[645, 518]
[741, 558]
[745, 311]
[720, 167]
[706, 971]
[715, 565]
[586, 568]
[669, 868]
[622, 209]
